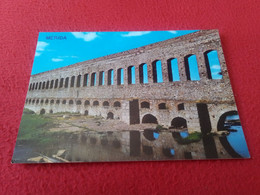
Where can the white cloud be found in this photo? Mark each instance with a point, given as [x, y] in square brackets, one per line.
[173, 31]
[68, 57]
[89, 36]
[135, 33]
[37, 53]
[41, 45]
[56, 59]
[215, 67]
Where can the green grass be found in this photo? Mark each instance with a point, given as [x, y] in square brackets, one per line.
[34, 129]
[193, 137]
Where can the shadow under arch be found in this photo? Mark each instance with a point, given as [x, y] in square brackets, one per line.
[179, 123]
[149, 118]
[223, 140]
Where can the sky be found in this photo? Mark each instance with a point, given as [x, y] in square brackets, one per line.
[59, 49]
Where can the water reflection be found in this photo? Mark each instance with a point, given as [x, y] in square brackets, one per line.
[236, 136]
[149, 144]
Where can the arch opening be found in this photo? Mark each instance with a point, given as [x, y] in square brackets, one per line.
[149, 118]
[110, 115]
[120, 76]
[143, 73]
[145, 105]
[72, 81]
[117, 104]
[162, 106]
[85, 83]
[157, 71]
[78, 80]
[42, 111]
[87, 103]
[101, 78]
[67, 82]
[173, 70]
[213, 64]
[191, 67]
[131, 74]
[95, 103]
[110, 76]
[56, 83]
[93, 79]
[105, 103]
[61, 82]
[179, 123]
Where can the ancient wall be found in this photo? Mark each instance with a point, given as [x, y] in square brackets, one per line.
[75, 83]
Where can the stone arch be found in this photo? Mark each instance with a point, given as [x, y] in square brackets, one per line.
[63, 101]
[30, 88]
[173, 70]
[43, 85]
[52, 101]
[86, 113]
[71, 102]
[110, 115]
[42, 101]
[105, 103]
[191, 67]
[78, 102]
[51, 111]
[162, 106]
[96, 103]
[149, 118]
[87, 103]
[181, 106]
[117, 104]
[93, 79]
[143, 73]
[157, 71]
[42, 111]
[67, 82]
[110, 75]
[120, 76]
[33, 86]
[37, 101]
[223, 140]
[33, 101]
[211, 59]
[40, 85]
[52, 83]
[30, 101]
[78, 80]
[56, 83]
[47, 84]
[131, 74]
[46, 101]
[222, 118]
[179, 123]
[36, 86]
[101, 78]
[85, 82]
[72, 81]
[61, 82]
[57, 101]
[145, 104]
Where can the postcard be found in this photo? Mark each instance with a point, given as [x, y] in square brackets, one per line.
[129, 96]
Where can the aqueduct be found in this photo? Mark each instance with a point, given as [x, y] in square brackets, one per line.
[126, 86]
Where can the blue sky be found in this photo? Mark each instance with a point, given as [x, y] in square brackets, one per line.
[81, 46]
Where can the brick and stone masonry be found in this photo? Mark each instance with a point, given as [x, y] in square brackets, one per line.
[88, 87]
